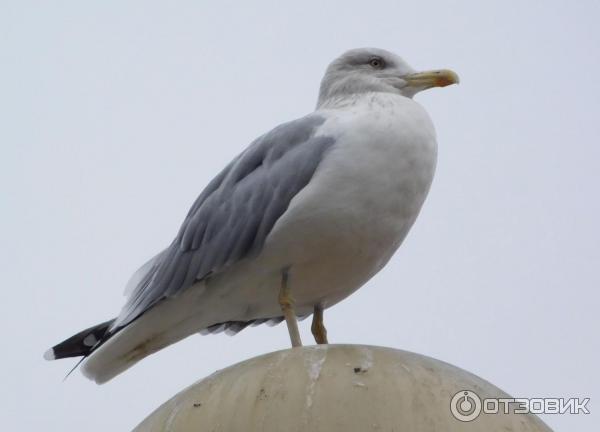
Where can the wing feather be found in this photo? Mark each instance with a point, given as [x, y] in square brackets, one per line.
[233, 216]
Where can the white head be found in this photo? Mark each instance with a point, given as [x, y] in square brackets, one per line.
[375, 70]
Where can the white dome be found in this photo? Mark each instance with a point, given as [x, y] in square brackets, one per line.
[335, 388]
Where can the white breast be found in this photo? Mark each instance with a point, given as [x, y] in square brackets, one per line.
[366, 194]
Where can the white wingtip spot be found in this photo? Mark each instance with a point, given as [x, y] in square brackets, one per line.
[90, 340]
[49, 355]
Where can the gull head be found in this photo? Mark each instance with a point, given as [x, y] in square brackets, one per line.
[364, 70]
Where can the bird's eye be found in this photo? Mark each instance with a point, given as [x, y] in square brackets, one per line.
[376, 63]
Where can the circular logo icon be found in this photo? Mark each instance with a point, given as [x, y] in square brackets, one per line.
[465, 406]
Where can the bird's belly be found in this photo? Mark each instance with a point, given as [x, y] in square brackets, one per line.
[344, 226]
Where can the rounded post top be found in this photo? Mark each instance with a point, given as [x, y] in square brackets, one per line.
[338, 388]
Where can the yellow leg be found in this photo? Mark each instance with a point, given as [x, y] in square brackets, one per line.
[318, 328]
[287, 307]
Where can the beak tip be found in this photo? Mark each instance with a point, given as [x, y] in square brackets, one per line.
[449, 78]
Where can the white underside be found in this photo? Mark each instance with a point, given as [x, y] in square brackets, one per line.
[336, 234]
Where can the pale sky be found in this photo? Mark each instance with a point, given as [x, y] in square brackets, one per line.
[115, 115]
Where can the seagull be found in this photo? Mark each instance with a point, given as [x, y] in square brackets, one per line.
[298, 221]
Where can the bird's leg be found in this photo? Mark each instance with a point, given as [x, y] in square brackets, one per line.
[287, 306]
[318, 328]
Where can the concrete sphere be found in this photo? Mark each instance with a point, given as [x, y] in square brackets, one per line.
[335, 388]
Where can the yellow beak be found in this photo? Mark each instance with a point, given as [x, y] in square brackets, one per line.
[435, 78]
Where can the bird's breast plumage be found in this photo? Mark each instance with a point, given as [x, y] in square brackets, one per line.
[364, 196]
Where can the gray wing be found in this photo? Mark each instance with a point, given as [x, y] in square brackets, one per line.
[232, 217]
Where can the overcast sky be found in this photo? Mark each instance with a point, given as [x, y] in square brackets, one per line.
[115, 115]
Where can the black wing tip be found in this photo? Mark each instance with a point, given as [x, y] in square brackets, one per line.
[81, 344]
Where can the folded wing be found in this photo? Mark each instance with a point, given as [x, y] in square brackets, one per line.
[232, 217]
